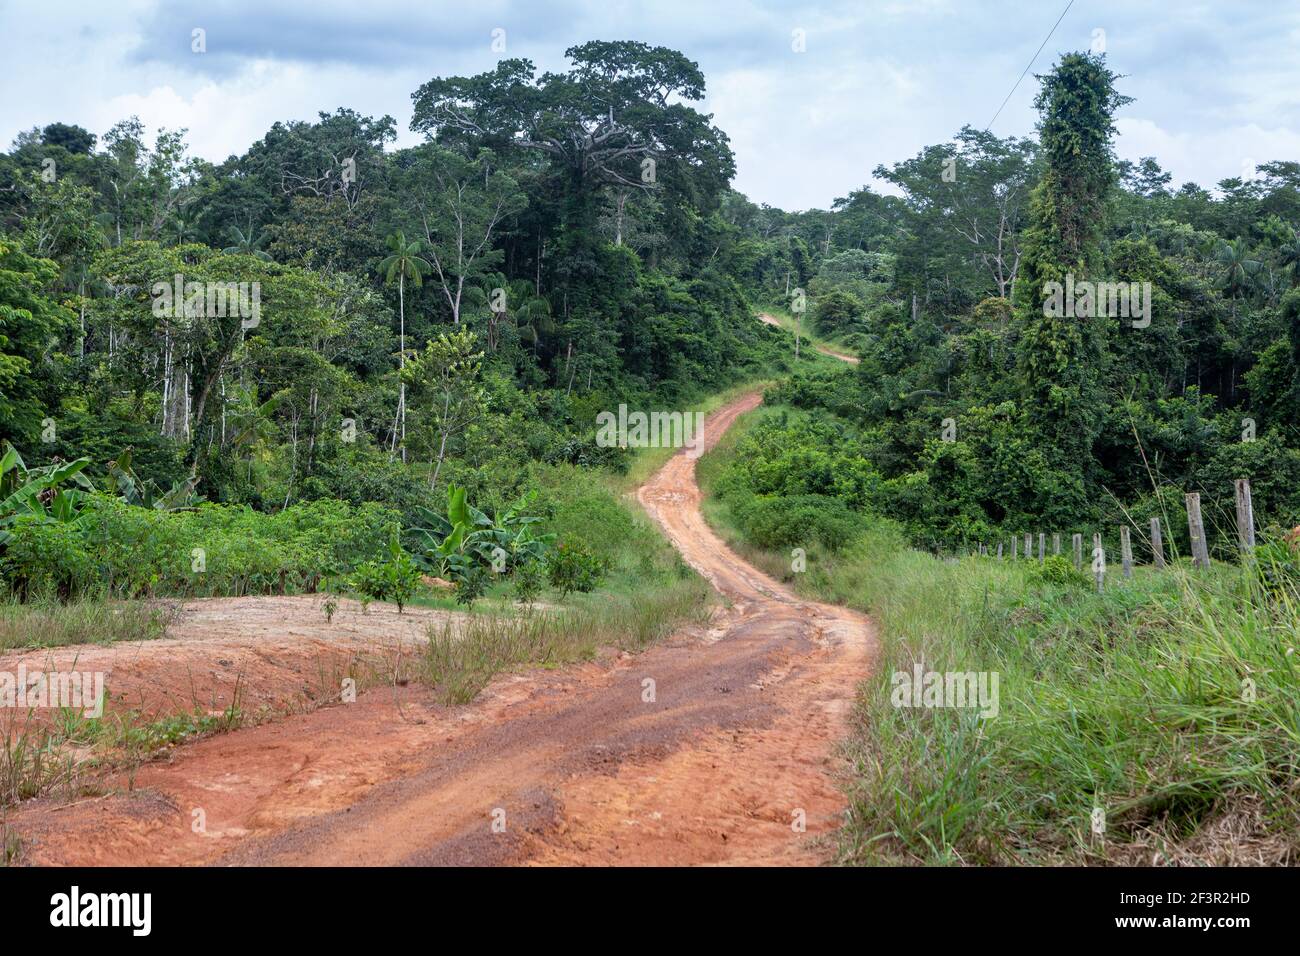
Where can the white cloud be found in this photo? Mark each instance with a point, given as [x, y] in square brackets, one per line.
[1205, 157]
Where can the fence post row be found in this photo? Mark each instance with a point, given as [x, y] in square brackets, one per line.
[1195, 531]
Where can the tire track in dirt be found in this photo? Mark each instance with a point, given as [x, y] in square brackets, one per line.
[737, 746]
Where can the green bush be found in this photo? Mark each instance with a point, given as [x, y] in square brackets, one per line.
[1276, 569]
[574, 567]
[46, 559]
[213, 549]
[392, 577]
[1058, 570]
[800, 520]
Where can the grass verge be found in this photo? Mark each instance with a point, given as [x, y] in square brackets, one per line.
[84, 621]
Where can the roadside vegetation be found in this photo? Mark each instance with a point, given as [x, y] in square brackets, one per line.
[1170, 702]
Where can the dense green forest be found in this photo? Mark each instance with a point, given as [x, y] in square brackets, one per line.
[454, 315]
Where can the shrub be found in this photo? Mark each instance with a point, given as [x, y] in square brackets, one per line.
[1058, 570]
[574, 567]
[528, 582]
[471, 584]
[46, 559]
[782, 522]
[1276, 569]
[393, 577]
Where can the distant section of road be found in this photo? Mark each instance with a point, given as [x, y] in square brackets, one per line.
[824, 349]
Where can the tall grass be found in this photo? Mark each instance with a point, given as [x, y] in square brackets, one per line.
[463, 655]
[83, 621]
[1171, 703]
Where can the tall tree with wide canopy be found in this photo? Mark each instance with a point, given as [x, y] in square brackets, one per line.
[618, 117]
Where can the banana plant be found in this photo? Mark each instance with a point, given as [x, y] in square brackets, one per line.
[40, 492]
[144, 493]
[454, 544]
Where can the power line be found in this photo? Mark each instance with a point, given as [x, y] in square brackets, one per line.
[1030, 65]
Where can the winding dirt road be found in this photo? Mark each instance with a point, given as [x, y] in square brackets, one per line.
[731, 760]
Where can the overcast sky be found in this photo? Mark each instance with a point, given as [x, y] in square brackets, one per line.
[1216, 85]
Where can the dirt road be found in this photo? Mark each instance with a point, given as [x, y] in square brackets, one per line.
[717, 746]
[825, 350]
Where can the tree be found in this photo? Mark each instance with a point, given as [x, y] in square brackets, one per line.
[247, 243]
[404, 261]
[445, 378]
[1060, 356]
[1238, 270]
[461, 204]
[965, 210]
[616, 118]
[74, 139]
[29, 324]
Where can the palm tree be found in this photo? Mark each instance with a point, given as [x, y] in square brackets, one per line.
[1237, 277]
[1239, 269]
[247, 243]
[516, 301]
[1289, 258]
[405, 261]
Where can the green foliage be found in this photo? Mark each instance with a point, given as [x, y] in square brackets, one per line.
[1275, 566]
[29, 318]
[467, 540]
[394, 576]
[1059, 571]
[572, 566]
[39, 495]
[528, 578]
[129, 551]
[471, 584]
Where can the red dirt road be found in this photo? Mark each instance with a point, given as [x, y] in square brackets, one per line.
[731, 760]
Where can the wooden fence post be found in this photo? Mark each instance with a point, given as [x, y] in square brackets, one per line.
[1015, 547]
[1196, 529]
[1098, 559]
[1029, 546]
[1056, 544]
[1077, 541]
[1042, 547]
[1126, 551]
[999, 550]
[1157, 545]
[1245, 517]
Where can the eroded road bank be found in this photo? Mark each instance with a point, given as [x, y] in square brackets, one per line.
[715, 746]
